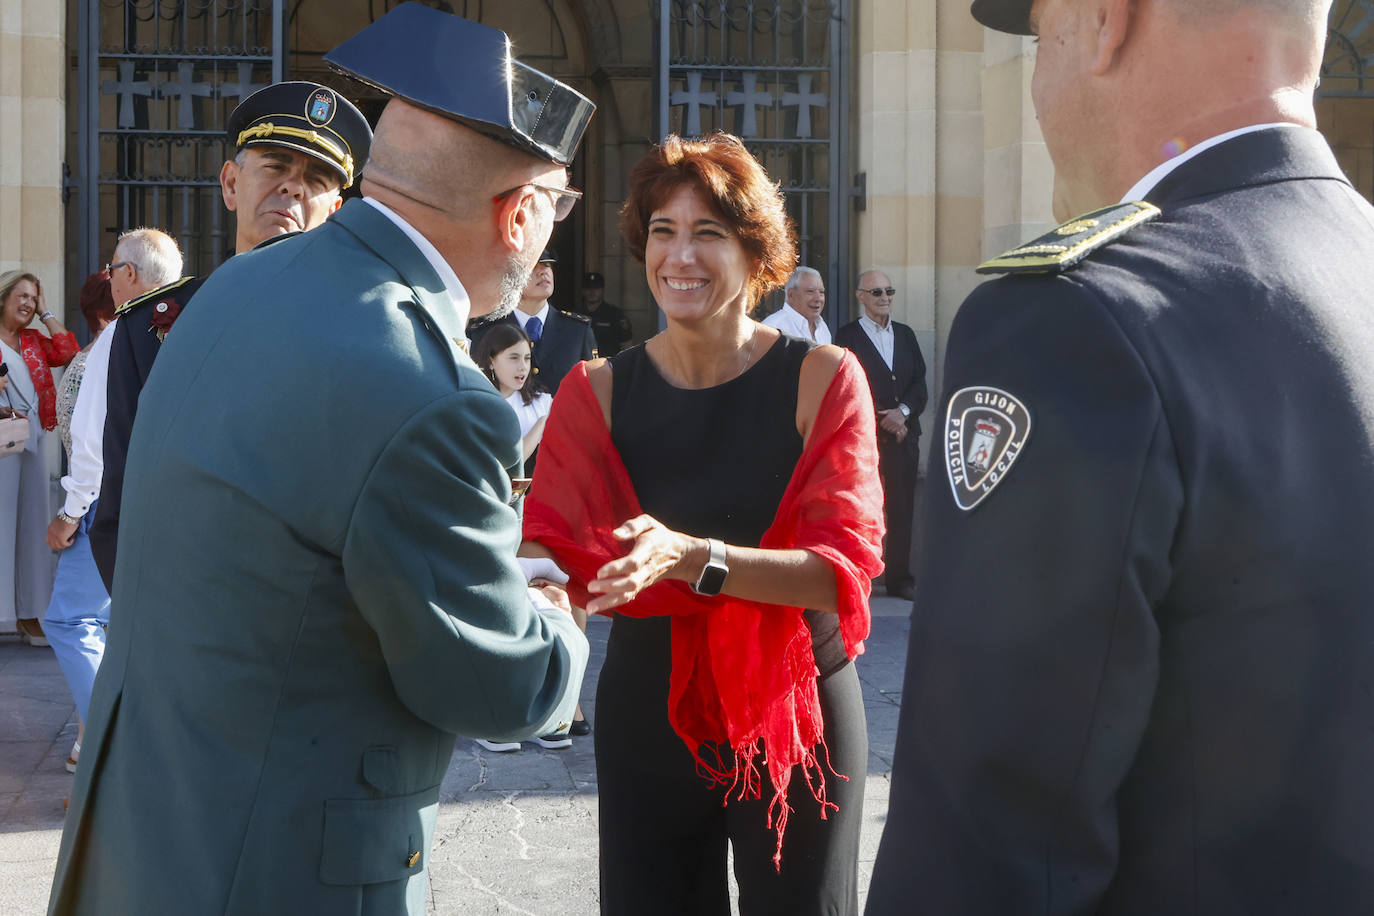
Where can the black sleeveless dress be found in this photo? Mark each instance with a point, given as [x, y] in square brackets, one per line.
[714, 462]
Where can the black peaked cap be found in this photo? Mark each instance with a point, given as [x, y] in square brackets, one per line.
[308, 117]
[1011, 16]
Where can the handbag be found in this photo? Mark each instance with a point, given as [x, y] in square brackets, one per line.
[14, 432]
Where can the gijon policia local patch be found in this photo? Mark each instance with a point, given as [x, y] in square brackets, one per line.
[985, 430]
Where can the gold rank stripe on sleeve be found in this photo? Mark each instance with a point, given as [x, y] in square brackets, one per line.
[1060, 249]
[152, 295]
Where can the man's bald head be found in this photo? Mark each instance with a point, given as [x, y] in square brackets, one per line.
[450, 183]
[441, 164]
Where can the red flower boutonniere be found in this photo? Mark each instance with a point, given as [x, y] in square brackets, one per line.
[164, 313]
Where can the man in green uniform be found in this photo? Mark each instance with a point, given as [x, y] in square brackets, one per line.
[317, 586]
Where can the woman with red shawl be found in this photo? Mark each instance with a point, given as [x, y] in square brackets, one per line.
[716, 489]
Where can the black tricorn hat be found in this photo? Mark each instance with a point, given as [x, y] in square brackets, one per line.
[592, 278]
[1011, 16]
[308, 117]
[550, 256]
[464, 70]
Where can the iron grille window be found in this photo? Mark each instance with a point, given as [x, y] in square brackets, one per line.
[160, 78]
[774, 73]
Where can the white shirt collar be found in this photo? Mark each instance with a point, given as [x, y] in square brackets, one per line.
[542, 315]
[1142, 188]
[462, 305]
[865, 321]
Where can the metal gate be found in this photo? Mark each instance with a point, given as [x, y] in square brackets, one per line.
[1348, 67]
[158, 80]
[776, 74]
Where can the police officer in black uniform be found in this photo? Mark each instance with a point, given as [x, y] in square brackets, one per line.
[609, 324]
[1139, 677]
[298, 145]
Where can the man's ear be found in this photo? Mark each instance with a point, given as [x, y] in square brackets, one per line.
[1113, 27]
[514, 220]
[338, 202]
[228, 184]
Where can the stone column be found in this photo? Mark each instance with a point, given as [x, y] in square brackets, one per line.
[1018, 176]
[33, 142]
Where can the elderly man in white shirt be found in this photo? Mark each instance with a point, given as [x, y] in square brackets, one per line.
[79, 611]
[801, 316]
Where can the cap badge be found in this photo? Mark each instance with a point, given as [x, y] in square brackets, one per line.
[985, 430]
[321, 107]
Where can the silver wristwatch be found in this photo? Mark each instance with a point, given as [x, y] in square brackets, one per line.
[712, 578]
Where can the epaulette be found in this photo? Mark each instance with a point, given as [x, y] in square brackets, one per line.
[585, 319]
[174, 290]
[1062, 248]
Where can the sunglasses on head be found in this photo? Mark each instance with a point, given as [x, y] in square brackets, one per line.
[880, 290]
[564, 199]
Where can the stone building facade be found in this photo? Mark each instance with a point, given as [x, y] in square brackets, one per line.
[902, 131]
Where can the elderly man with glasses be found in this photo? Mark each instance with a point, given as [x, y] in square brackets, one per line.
[896, 372]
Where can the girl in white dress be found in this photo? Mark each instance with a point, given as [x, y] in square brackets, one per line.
[503, 354]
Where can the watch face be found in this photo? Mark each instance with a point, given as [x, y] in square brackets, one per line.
[712, 579]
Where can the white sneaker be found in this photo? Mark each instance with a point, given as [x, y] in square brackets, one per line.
[499, 747]
[555, 742]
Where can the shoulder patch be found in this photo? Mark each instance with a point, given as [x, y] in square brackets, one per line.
[177, 290]
[985, 430]
[1062, 248]
[576, 316]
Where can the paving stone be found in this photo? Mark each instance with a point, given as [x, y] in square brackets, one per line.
[515, 833]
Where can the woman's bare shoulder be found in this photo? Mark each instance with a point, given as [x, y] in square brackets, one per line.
[817, 371]
[599, 377]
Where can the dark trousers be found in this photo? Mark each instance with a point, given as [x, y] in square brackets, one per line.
[897, 465]
[663, 829]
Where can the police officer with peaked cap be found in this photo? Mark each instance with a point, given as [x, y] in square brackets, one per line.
[318, 587]
[297, 146]
[1139, 677]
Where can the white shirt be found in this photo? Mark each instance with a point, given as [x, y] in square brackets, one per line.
[542, 315]
[530, 413]
[462, 305]
[790, 321]
[87, 465]
[882, 337]
[1142, 188]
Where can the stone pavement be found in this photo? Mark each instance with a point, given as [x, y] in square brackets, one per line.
[516, 833]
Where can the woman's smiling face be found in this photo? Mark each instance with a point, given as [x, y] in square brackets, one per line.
[693, 259]
[19, 306]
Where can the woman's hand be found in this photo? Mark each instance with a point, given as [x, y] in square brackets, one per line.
[655, 553]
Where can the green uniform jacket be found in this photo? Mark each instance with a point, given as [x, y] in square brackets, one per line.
[316, 590]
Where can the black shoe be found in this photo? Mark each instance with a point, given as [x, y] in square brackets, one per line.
[580, 728]
[905, 592]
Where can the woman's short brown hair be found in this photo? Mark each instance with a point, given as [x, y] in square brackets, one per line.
[96, 300]
[734, 184]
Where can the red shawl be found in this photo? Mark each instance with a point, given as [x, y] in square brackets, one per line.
[743, 676]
